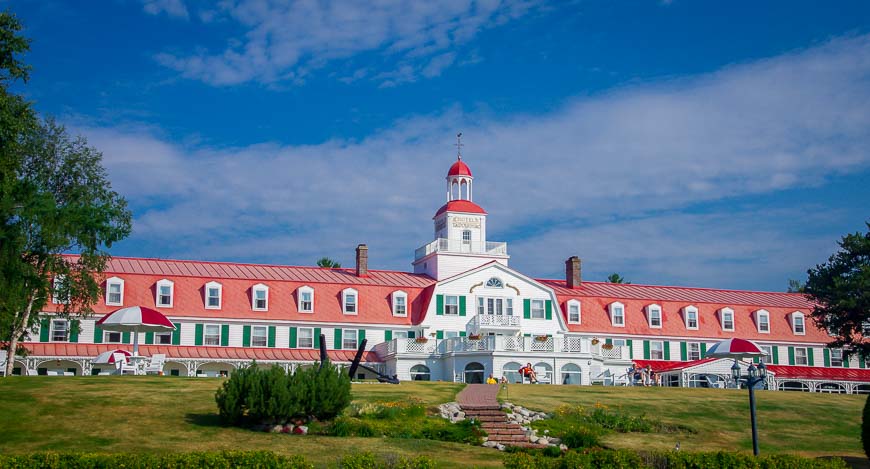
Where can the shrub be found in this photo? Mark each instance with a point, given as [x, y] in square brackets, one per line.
[580, 437]
[256, 396]
[367, 460]
[601, 458]
[214, 460]
[865, 427]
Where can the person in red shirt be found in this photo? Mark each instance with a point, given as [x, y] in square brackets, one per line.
[529, 372]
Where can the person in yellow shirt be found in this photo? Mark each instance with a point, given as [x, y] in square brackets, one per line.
[491, 380]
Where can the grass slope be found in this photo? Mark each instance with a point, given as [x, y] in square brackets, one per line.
[160, 414]
[788, 422]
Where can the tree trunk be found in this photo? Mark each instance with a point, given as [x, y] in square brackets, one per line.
[19, 327]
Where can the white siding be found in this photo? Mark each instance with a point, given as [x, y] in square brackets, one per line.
[188, 333]
[86, 331]
[236, 332]
[282, 337]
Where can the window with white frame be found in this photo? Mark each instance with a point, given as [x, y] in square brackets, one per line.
[617, 314]
[451, 305]
[656, 350]
[797, 323]
[727, 317]
[400, 303]
[212, 334]
[59, 330]
[767, 358]
[165, 293]
[400, 334]
[57, 294]
[349, 339]
[349, 299]
[538, 311]
[260, 297]
[114, 291]
[466, 237]
[800, 356]
[495, 306]
[305, 337]
[574, 312]
[163, 338]
[259, 336]
[693, 351]
[691, 315]
[836, 357]
[213, 295]
[305, 299]
[654, 316]
[494, 282]
[112, 337]
[762, 321]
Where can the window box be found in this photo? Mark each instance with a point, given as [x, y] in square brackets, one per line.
[421, 340]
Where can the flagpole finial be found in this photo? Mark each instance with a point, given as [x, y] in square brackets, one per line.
[459, 146]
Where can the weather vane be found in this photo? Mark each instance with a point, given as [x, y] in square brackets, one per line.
[459, 145]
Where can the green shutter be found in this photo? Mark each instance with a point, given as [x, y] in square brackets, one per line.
[225, 335]
[755, 360]
[337, 342]
[176, 334]
[74, 327]
[361, 336]
[246, 336]
[684, 352]
[44, 330]
[775, 349]
[461, 333]
[388, 335]
[125, 337]
[439, 305]
[317, 337]
[293, 338]
[845, 360]
[198, 336]
[411, 334]
[667, 350]
[810, 356]
[439, 334]
[98, 335]
[791, 355]
[527, 335]
[703, 350]
[608, 341]
[646, 350]
[549, 309]
[827, 357]
[527, 308]
[149, 338]
[462, 305]
[271, 336]
[861, 363]
[630, 349]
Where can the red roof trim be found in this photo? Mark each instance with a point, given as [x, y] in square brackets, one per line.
[464, 206]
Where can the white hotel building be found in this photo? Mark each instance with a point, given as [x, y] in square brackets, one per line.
[461, 315]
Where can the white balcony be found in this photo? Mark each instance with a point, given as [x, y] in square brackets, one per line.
[493, 322]
[497, 343]
[459, 246]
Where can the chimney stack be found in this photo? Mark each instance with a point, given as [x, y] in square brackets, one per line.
[362, 260]
[572, 272]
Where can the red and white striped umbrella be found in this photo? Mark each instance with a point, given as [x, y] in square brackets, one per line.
[136, 319]
[108, 358]
[735, 348]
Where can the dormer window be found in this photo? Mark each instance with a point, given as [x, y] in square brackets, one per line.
[797, 323]
[114, 291]
[349, 299]
[726, 315]
[58, 296]
[762, 321]
[690, 313]
[494, 282]
[573, 312]
[654, 316]
[165, 293]
[213, 295]
[260, 297]
[400, 303]
[305, 299]
[617, 314]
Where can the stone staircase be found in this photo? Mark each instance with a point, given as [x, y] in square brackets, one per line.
[495, 423]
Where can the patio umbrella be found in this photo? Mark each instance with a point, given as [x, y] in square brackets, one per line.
[108, 358]
[136, 319]
[735, 348]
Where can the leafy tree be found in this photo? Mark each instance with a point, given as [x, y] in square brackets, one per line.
[616, 278]
[796, 286]
[327, 262]
[840, 289]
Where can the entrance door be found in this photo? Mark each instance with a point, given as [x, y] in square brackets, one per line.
[474, 373]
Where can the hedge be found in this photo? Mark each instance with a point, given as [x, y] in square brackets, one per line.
[211, 460]
[628, 459]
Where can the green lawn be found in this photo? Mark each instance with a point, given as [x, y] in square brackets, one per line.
[788, 422]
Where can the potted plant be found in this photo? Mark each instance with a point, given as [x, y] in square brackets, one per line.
[474, 337]
[607, 346]
[421, 340]
[541, 338]
[595, 341]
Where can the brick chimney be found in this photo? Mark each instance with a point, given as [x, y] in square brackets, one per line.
[572, 272]
[362, 260]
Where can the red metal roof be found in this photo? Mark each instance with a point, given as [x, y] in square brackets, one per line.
[820, 373]
[459, 169]
[57, 349]
[660, 365]
[465, 206]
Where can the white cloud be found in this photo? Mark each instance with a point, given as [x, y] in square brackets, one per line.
[788, 122]
[283, 38]
[174, 8]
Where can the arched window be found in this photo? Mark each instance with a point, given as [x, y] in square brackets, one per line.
[510, 371]
[420, 373]
[474, 373]
[494, 282]
[570, 374]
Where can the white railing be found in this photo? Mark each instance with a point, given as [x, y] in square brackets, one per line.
[458, 245]
[498, 343]
[494, 320]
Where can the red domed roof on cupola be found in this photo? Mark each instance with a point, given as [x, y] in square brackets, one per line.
[459, 169]
[465, 206]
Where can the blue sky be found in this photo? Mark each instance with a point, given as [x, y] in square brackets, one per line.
[675, 142]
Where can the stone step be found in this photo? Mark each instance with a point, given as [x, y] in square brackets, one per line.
[467, 408]
[486, 418]
[485, 412]
[501, 433]
[526, 444]
[508, 438]
[500, 426]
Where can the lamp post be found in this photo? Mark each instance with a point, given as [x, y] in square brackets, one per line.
[756, 375]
